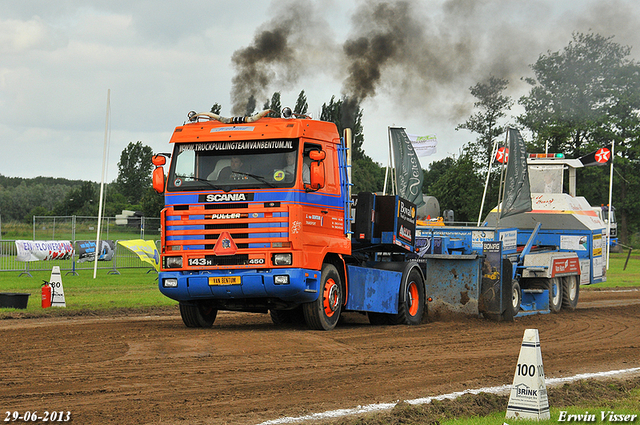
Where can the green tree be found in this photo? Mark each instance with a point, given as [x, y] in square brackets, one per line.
[367, 176]
[216, 108]
[571, 92]
[457, 188]
[82, 200]
[152, 203]
[301, 104]
[134, 175]
[346, 113]
[434, 171]
[492, 105]
[114, 201]
[275, 106]
[582, 98]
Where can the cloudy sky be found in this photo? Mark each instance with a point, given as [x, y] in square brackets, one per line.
[411, 64]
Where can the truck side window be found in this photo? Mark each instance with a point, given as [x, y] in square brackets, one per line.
[306, 161]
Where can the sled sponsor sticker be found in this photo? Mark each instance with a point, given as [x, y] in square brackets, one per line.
[479, 236]
[564, 266]
[574, 243]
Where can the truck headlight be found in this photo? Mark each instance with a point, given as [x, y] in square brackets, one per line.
[281, 280]
[173, 262]
[170, 283]
[281, 259]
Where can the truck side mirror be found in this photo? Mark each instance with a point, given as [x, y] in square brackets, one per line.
[159, 160]
[316, 171]
[157, 177]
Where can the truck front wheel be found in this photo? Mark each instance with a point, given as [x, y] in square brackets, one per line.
[324, 312]
[197, 314]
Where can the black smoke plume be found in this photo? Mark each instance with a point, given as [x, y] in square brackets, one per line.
[421, 56]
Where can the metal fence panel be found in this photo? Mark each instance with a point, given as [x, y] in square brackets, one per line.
[74, 228]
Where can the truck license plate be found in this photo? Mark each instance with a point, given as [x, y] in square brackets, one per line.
[225, 280]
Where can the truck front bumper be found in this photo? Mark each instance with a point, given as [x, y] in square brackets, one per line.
[290, 285]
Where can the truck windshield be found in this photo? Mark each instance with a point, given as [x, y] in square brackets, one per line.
[546, 178]
[230, 165]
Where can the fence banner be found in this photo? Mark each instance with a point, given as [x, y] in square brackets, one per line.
[146, 250]
[44, 250]
[86, 250]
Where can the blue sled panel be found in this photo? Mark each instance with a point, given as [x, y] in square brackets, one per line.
[373, 290]
[453, 283]
[534, 301]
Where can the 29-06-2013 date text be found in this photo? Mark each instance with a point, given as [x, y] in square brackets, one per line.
[35, 416]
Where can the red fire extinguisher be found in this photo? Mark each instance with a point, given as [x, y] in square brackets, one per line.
[47, 294]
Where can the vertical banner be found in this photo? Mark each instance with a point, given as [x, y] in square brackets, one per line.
[408, 170]
[517, 192]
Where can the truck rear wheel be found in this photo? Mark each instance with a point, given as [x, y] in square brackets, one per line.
[411, 310]
[197, 314]
[570, 292]
[324, 312]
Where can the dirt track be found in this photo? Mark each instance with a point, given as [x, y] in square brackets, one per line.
[137, 370]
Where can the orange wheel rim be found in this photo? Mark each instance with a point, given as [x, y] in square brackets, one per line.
[331, 297]
[413, 299]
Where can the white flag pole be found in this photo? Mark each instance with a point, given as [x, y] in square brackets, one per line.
[390, 168]
[104, 159]
[613, 147]
[486, 183]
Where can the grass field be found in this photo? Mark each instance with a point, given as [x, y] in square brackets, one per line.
[132, 289]
[138, 288]
[591, 397]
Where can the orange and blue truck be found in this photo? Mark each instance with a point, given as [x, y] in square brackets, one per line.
[259, 217]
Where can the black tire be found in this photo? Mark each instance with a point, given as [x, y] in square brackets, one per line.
[555, 294]
[411, 307]
[197, 314]
[513, 307]
[324, 312]
[570, 292]
[287, 317]
[379, 319]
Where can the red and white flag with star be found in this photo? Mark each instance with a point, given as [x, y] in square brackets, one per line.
[601, 156]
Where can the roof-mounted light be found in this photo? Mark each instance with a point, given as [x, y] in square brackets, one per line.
[546, 156]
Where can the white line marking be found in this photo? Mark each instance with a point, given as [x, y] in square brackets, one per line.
[387, 406]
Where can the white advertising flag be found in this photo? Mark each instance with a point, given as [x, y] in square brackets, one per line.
[423, 145]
